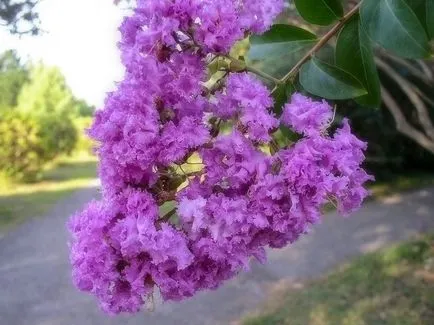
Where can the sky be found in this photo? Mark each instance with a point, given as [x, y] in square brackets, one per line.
[80, 38]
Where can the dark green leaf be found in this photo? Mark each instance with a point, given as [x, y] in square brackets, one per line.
[320, 12]
[419, 7]
[430, 17]
[281, 96]
[328, 81]
[395, 26]
[276, 51]
[279, 40]
[289, 134]
[354, 54]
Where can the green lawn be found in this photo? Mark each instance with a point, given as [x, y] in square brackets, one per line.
[18, 202]
[392, 287]
[402, 183]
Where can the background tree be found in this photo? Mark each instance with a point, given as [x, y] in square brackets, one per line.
[40, 118]
[13, 75]
[20, 16]
[46, 92]
[83, 109]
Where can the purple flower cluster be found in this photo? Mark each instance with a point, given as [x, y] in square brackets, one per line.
[239, 201]
[250, 100]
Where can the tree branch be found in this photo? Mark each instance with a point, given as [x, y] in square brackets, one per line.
[415, 72]
[323, 41]
[424, 96]
[422, 111]
[403, 125]
[426, 69]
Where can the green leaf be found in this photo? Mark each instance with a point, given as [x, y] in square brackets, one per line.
[419, 7]
[430, 17]
[320, 12]
[279, 40]
[424, 10]
[395, 26]
[281, 96]
[354, 54]
[328, 81]
[289, 134]
[276, 51]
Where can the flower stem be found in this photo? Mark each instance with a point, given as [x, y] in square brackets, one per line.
[167, 216]
[239, 66]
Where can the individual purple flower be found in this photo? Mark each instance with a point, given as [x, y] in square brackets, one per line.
[233, 162]
[307, 116]
[217, 26]
[177, 140]
[245, 97]
[258, 18]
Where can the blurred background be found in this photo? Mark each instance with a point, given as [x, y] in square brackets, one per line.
[58, 58]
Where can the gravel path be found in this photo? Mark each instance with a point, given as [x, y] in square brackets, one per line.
[35, 284]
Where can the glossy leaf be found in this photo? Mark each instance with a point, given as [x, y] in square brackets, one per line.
[395, 26]
[354, 54]
[328, 81]
[281, 96]
[280, 40]
[276, 51]
[320, 12]
[419, 7]
[430, 17]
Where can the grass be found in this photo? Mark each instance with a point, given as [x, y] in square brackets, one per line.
[392, 287]
[401, 183]
[18, 202]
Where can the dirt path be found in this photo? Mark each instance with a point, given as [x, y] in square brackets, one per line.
[35, 285]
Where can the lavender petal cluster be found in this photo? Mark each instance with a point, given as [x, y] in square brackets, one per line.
[239, 199]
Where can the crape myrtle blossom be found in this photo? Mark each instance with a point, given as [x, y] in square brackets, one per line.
[239, 200]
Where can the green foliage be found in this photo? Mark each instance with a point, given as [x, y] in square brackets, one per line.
[83, 109]
[280, 48]
[58, 135]
[400, 26]
[280, 40]
[13, 75]
[328, 81]
[280, 98]
[38, 118]
[84, 143]
[46, 92]
[430, 18]
[22, 155]
[354, 54]
[395, 26]
[30, 141]
[320, 12]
